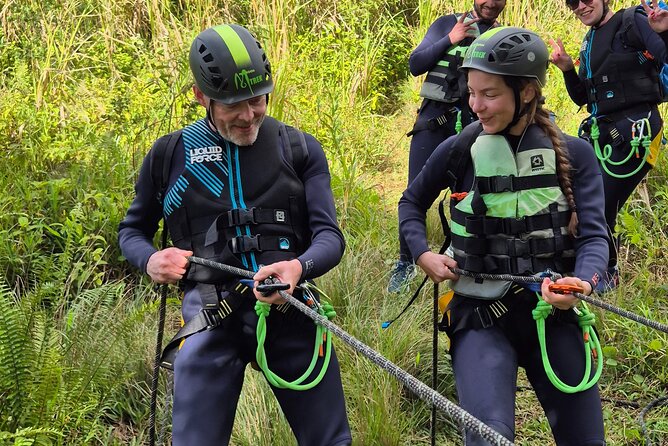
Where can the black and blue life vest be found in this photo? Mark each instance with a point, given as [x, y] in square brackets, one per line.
[242, 206]
[616, 80]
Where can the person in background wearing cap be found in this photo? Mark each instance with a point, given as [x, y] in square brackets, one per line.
[244, 190]
[444, 109]
[513, 211]
[618, 81]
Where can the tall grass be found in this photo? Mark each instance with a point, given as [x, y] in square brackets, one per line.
[85, 88]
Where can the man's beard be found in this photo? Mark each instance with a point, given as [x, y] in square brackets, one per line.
[241, 140]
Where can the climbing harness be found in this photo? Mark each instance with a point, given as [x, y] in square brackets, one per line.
[423, 391]
[641, 135]
[588, 299]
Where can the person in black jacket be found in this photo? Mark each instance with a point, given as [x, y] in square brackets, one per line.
[238, 195]
[520, 193]
[618, 82]
[444, 109]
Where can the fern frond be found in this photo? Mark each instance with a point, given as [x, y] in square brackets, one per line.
[15, 357]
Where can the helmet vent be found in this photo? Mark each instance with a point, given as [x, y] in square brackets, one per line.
[208, 58]
[516, 39]
[202, 48]
[216, 82]
[214, 70]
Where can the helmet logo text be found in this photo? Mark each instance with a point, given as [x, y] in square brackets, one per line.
[472, 53]
[243, 80]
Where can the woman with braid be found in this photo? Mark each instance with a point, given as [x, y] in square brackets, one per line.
[524, 202]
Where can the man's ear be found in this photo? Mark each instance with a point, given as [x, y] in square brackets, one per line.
[201, 98]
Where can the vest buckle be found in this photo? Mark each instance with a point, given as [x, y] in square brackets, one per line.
[245, 243]
[238, 217]
[211, 318]
[504, 184]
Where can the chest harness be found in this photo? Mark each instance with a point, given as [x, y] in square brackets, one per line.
[243, 207]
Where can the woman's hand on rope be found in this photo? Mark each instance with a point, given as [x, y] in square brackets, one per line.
[289, 271]
[437, 266]
[461, 30]
[656, 17]
[560, 57]
[563, 301]
[168, 265]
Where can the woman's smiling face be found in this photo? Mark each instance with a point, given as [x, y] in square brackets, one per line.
[491, 99]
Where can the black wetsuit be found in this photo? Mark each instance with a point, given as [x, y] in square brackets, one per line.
[427, 54]
[593, 54]
[209, 368]
[485, 360]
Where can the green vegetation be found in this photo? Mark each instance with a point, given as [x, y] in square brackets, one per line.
[85, 88]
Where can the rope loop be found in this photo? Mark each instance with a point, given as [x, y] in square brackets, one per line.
[262, 309]
[542, 310]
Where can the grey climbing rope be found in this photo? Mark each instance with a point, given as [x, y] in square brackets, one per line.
[420, 389]
[589, 299]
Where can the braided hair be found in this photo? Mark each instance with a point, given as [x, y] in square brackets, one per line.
[537, 114]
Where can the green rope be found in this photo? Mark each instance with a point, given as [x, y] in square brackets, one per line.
[322, 336]
[458, 124]
[592, 345]
[605, 154]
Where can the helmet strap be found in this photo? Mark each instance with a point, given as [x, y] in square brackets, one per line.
[605, 13]
[519, 112]
[209, 116]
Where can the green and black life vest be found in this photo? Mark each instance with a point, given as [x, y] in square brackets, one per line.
[515, 218]
[242, 206]
[444, 82]
[616, 80]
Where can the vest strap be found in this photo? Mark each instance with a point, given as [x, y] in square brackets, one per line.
[511, 247]
[511, 183]
[242, 217]
[482, 225]
[252, 216]
[248, 243]
[433, 123]
[513, 265]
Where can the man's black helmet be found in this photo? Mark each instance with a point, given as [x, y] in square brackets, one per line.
[229, 64]
[509, 51]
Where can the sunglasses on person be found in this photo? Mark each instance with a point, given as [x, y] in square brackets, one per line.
[573, 4]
